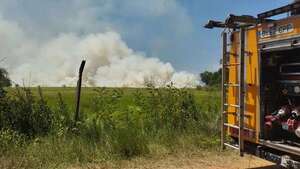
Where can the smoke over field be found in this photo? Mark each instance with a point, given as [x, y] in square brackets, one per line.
[109, 63]
[48, 51]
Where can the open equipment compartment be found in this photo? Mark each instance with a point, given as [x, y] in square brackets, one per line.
[280, 86]
[280, 79]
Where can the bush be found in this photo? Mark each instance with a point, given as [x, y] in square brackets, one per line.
[22, 113]
[128, 142]
[117, 127]
[168, 109]
[62, 120]
[4, 79]
[156, 115]
[10, 140]
[212, 79]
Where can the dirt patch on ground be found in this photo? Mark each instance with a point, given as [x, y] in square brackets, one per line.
[227, 160]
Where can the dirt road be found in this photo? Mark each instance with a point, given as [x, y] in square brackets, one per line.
[228, 160]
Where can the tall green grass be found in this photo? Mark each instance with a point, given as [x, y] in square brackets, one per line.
[114, 124]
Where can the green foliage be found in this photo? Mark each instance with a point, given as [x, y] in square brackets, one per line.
[62, 120]
[170, 109]
[4, 79]
[25, 114]
[212, 79]
[9, 140]
[155, 115]
[119, 130]
[119, 124]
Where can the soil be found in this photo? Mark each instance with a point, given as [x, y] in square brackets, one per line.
[227, 160]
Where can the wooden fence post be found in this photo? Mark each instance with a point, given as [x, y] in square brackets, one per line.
[78, 91]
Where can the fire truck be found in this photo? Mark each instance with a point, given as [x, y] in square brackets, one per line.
[261, 84]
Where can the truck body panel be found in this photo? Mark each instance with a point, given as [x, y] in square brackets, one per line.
[261, 84]
[252, 117]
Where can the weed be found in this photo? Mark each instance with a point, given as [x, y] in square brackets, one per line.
[117, 124]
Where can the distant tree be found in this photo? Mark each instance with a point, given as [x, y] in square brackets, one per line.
[212, 79]
[4, 79]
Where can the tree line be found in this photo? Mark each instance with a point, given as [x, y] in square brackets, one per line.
[4, 79]
[212, 79]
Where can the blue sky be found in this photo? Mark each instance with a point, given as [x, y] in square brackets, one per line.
[200, 49]
[171, 30]
[205, 44]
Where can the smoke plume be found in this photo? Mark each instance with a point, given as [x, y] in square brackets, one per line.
[110, 62]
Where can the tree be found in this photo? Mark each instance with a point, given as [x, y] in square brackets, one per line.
[4, 79]
[212, 79]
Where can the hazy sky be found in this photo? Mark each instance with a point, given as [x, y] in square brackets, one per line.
[170, 30]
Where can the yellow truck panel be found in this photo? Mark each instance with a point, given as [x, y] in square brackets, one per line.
[286, 28]
[252, 82]
[265, 54]
[281, 29]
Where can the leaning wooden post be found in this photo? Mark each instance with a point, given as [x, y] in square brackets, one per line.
[78, 90]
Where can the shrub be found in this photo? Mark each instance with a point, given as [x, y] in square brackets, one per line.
[168, 109]
[117, 126]
[22, 113]
[9, 140]
[4, 79]
[62, 119]
[120, 131]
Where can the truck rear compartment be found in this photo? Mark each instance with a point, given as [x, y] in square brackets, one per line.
[280, 92]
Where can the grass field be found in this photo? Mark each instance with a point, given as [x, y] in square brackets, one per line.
[116, 124]
[88, 94]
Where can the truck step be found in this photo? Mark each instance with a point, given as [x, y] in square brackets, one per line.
[237, 114]
[231, 85]
[232, 64]
[232, 126]
[236, 147]
[231, 54]
[232, 105]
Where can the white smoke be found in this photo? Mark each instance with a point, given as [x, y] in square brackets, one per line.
[110, 62]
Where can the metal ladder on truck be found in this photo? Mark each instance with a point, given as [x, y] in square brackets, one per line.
[240, 95]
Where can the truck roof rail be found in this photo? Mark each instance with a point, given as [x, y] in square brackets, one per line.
[218, 24]
[288, 8]
[234, 22]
